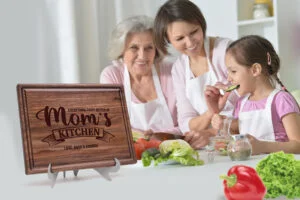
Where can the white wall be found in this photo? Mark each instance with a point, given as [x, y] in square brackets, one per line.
[20, 61]
[289, 40]
[218, 20]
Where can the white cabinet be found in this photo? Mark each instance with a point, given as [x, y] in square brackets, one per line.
[234, 19]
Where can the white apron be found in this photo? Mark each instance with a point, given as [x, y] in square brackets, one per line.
[195, 87]
[258, 122]
[154, 114]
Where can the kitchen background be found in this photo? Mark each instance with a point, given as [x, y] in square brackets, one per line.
[65, 41]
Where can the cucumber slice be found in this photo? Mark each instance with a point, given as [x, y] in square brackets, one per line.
[233, 87]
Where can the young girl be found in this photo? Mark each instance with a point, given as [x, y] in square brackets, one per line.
[270, 116]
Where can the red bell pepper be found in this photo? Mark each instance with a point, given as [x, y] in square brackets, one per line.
[243, 183]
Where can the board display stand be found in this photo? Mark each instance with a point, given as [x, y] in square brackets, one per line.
[103, 171]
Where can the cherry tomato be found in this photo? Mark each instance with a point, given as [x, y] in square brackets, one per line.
[142, 141]
[139, 148]
[220, 145]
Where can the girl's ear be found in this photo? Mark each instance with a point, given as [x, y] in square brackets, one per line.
[256, 69]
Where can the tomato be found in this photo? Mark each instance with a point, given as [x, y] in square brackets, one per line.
[153, 143]
[142, 141]
[139, 148]
[141, 144]
[220, 145]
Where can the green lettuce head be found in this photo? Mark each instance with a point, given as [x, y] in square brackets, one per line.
[280, 173]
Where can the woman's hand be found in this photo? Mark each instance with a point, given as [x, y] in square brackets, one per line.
[197, 139]
[214, 99]
[148, 134]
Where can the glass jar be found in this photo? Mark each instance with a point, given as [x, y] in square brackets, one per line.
[269, 2]
[221, 140]
[239, 148]
[260, 10]
[225, 131]
[218, 144]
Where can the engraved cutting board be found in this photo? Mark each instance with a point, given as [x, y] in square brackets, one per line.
[74, 126]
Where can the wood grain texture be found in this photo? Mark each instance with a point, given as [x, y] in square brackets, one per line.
[74, 126]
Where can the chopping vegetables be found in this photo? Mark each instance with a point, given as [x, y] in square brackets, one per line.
[243, 183]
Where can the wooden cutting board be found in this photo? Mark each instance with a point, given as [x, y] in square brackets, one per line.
[74, 126]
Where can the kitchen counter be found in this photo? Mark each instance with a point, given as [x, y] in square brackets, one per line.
[134, 182]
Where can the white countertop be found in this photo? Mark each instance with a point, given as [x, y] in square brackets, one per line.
[133, 182]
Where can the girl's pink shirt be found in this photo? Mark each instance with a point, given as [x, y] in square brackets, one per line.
[114, 74]
[283, 104]
[186, 112]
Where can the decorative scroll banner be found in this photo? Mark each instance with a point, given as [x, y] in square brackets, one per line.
[60, 135]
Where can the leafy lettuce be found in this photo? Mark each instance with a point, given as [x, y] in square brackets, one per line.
[172, 150]
[280, 173]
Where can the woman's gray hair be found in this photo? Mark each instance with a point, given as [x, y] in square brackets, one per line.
[135, 24]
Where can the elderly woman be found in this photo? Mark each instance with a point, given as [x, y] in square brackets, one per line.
[146, 77]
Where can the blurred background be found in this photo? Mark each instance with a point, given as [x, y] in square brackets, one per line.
[65, 41]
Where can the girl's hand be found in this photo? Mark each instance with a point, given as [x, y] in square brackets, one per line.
[212, 96]
[257, 147]
[221, 86]
[214, 99]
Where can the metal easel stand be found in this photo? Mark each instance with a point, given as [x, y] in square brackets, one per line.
[103, 171]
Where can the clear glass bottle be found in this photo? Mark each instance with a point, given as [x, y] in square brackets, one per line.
[239, 148]
[260, 10]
